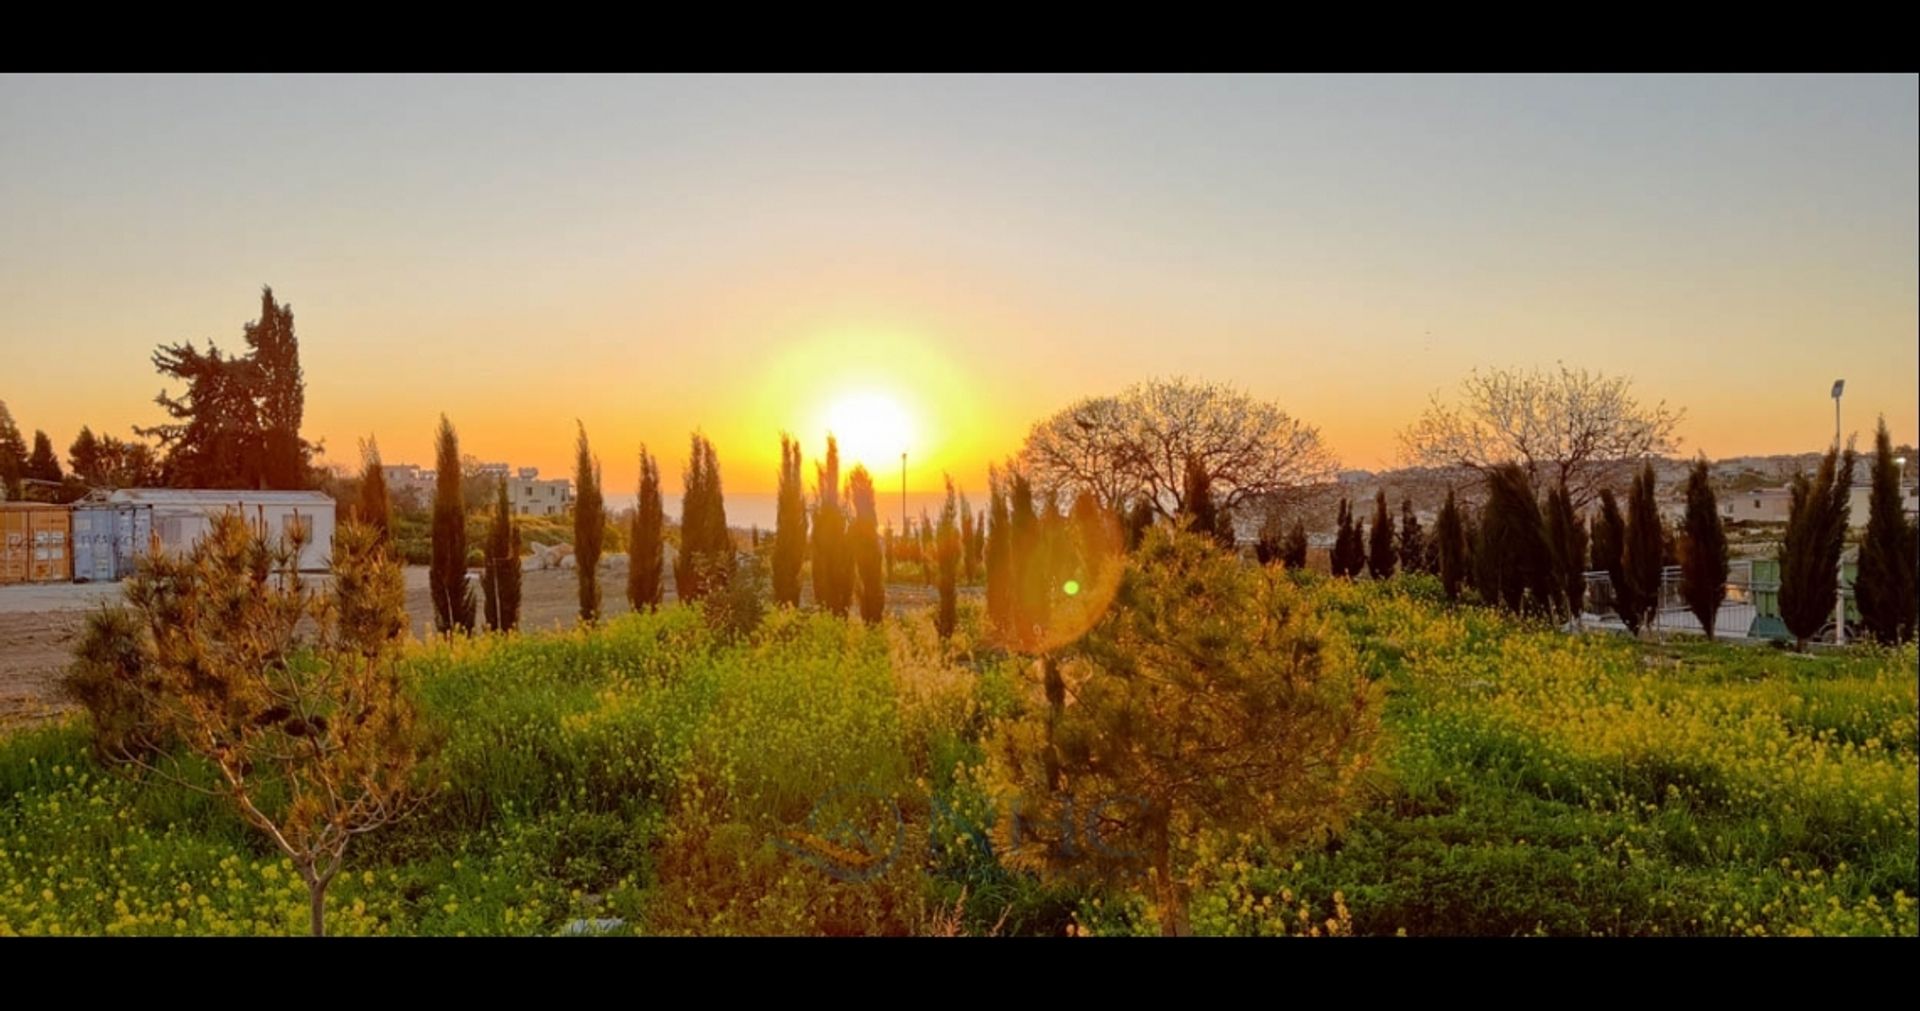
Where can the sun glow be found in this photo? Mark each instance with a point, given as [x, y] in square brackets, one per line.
[873, 428]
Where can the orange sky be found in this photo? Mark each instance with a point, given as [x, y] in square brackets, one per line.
[655, 255]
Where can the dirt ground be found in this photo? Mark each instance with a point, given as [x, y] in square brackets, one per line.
[39, 622]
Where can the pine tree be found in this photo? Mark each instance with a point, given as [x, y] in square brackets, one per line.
[790, 530]
[1816, 536]
[1380, 555]
[589, 526]
[83, 456]
[645, 583]
[502, 574]
[1703, 550]
[42, 465]
[863, 544]
[1884, 587]
[453, 603]
[832, 566]
[275, 352]
[375, 507]
[705, 562]
[13, 455]
[1000, 577]
[1342, 553]
[1567, 536]
[1451, 535]
[1413, 544]
[1646, 548]
[948, 553]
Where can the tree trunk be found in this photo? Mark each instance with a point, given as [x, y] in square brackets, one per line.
[317, 902]
[1172, 898]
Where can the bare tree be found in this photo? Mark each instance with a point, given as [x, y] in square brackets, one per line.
[1137, 446]
[1571, 427]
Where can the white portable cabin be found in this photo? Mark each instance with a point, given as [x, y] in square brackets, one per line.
[179, 517]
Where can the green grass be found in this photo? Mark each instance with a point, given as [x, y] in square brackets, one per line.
[1530, 782]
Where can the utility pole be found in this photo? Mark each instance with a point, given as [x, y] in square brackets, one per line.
[903, 491]
[1840, 575]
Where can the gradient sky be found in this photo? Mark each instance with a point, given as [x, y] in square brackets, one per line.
[653, 254]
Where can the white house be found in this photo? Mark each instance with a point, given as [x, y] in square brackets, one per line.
[181, 516]
[528, 495]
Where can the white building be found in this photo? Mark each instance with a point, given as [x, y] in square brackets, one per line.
[529, 495]
[181, 516]
[1775, 505]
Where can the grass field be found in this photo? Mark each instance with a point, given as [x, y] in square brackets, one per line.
[649, 772]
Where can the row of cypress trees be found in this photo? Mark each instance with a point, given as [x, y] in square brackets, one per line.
[1811, 553]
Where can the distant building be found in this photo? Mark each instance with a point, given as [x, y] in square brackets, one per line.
[529, 495]
[1775, 505]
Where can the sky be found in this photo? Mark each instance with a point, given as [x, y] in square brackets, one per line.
[934, 263]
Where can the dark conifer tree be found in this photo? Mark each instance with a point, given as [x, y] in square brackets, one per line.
[1341, 556]
[1609, 556]
[926, 549]
[1884, 588]
[501, 576]
[1567, 536]
[1293, 551]
[1000, 575]
[589, 526]
[1413, 543]
[790, 531]
[646, 583]
[1029, 562]
[1380, 550]
[705, 562]
[947, 553]
[832, 565]
[375, 506]
[275, 351]
[1450, 535]
[83, 457]
[1197, 508]
[1703, 550]
[1517, 563]
[969, 558]
[453, 603]
[1816, 536]
[1646, 549]
[13, 455]
[42, 464]
[863, 544]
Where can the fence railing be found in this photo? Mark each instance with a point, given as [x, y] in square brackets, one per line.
[1750, 609]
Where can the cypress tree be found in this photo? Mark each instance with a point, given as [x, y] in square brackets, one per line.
[1293, 551]
[1197, 507]
[1028, 562]
[1516, 563]
[1567, 536]
[705, 562]
[1380, 549]
[1609, 555]
[926, 549]
[969, 558]
[832, 566]
[1413, 543]
[863, 542]
[948, 553]
[790, 532]
[502, 573]
[375, 508]
[1139, 520]
[1646, 550]
[1816, 536]
[83, 456]
[1343, 538]
[453, 603]
[1703, 550]
[589, 526]
[645, 561]
[1884, 587]
[1451, 536]
[999, 555]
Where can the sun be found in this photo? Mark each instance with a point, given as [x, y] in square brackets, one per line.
[873, 428]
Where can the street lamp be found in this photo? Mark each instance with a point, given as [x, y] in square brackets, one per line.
[1840, 574]
[903, 491]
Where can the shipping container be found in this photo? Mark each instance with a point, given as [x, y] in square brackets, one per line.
[108, 539]
[35, 543]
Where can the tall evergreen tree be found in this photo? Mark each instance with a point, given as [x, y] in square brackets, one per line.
[502, 573]
[1703, 550]
[1139, 520]
[705, 562]
[863, 544]
[1000, 577]
[1380, 556]
[1028, 561]
[1197, 506]
[832, 565]
[1567, 536]
[790, 530]
[1646, 549]
[646, 585]
[42, 464]
[83, 457]
[926, 549]
[1816, 537]
[1341, 557]
[375, 506]
[1413, 543]
[1293, 551]
[1516, 563]
[13, 454]
[1884, 587]
[969, 556]
[589, 526]
[275, 351]
[1451, 535]
[1610, 556]
[453, 603]
[947, 551]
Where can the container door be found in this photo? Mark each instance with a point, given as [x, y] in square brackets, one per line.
[15, 550]
[82, 544]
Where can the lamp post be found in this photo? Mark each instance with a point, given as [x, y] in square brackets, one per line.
[903, 492]
[1840, 573]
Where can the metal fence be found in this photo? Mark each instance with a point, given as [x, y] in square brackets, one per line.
[1750, 610]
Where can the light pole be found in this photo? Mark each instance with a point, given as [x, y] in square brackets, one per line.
[1840, 573]
[903, 492]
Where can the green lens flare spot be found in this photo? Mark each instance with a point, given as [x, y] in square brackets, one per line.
[1072, 587]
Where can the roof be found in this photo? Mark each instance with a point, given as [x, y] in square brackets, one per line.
[215, 497]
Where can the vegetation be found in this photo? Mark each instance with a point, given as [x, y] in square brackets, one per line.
[832, 562]
[501, 580]
[374, 506]
[705, 561]
[1451, 534]
[453, 603]
[1889, 553]
[1380, 546]
[589, 526]
[790, 530]
[1810, 554]
[1567, 538]
[947, 550]
[863, 545]
[1703, 551]
[646, 585]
